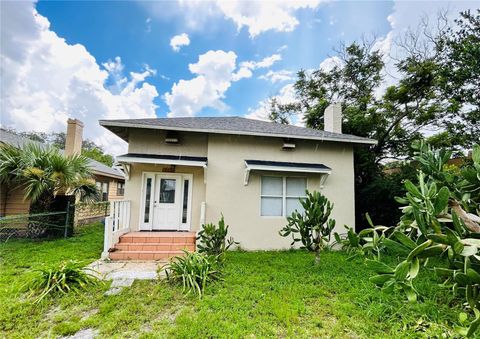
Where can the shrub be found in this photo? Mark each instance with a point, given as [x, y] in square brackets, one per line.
[62, 278]
[213, 239]
[194, 270]
[313, 226]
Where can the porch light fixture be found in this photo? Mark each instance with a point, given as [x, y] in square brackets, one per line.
[171, 138]
[287, 146]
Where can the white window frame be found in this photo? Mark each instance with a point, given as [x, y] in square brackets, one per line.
[283, 196]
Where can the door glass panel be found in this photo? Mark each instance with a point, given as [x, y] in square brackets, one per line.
[148, 193]
[185, 201]
[167, 191]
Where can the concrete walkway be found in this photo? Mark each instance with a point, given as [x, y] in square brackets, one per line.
[123, 274]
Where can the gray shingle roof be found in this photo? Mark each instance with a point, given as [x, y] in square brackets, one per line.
[229, 125]
[9, 138]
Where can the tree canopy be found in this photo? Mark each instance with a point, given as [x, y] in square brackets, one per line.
[438, 91]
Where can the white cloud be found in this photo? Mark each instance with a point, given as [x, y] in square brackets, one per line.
[285, 96]
[179, 40]
[329, 63]
[246, 67]
[214, 75]
[257, 16]
[45, 80]
[278, 76]
[215, 71]
[263, 16]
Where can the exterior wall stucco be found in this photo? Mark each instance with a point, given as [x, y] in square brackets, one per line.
[149, 141]
[240, 204]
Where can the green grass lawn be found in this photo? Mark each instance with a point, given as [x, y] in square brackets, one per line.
[264, 294]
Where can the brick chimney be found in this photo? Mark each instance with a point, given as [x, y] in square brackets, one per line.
[333, 118]
[74, 137]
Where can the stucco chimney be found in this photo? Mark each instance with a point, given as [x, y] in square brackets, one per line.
[333, 118]
[74, 137]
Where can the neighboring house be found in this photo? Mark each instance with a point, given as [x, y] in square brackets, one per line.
[183, 172]
[109, 180]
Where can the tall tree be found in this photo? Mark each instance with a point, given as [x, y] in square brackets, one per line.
[425, 98]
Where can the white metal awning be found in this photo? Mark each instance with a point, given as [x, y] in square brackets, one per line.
[157, 159]
[279, 166]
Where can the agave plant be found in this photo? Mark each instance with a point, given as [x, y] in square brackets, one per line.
[368, 243]
[435, 224]
[193, 270]
[63, 278]
[44, 172]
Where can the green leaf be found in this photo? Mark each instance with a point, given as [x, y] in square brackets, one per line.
[458, 247]
[444, 272]
[469, 251]
[418, 250]
[401, 271]
[405, 240]
[440, 239]
[473, 275]
[412, 189]
[379, 267]
[473, 327]
[414, 268]
[442, 200]
[476, 154]
[461, 278]
[410, 292]
[431, 251]
[395, 247]
[381, 279]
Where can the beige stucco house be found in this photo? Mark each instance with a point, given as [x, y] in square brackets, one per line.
[183, 172]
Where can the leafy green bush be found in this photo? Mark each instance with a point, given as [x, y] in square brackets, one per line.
[62, 278]
[194, 270]
[436, 223]
[213, 239]
[369, 242]
[313, 226]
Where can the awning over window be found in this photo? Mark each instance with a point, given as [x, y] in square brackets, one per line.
[180, 160]
[280, 166]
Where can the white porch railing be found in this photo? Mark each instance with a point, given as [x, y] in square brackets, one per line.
[116, 224]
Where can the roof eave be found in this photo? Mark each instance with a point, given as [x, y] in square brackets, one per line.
[106, 124]
[105, 174]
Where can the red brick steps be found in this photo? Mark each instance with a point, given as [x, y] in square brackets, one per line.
[152, 245]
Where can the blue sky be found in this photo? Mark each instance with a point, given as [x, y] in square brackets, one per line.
[96, 60]
[109, 29]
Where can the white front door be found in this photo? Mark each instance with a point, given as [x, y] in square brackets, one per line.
[167, 202]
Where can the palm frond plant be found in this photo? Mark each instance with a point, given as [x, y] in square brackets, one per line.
[44, 172]
[69, 276]
[193, 270]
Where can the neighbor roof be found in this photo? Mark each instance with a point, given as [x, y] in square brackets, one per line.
[230, 125]
[10, 138]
